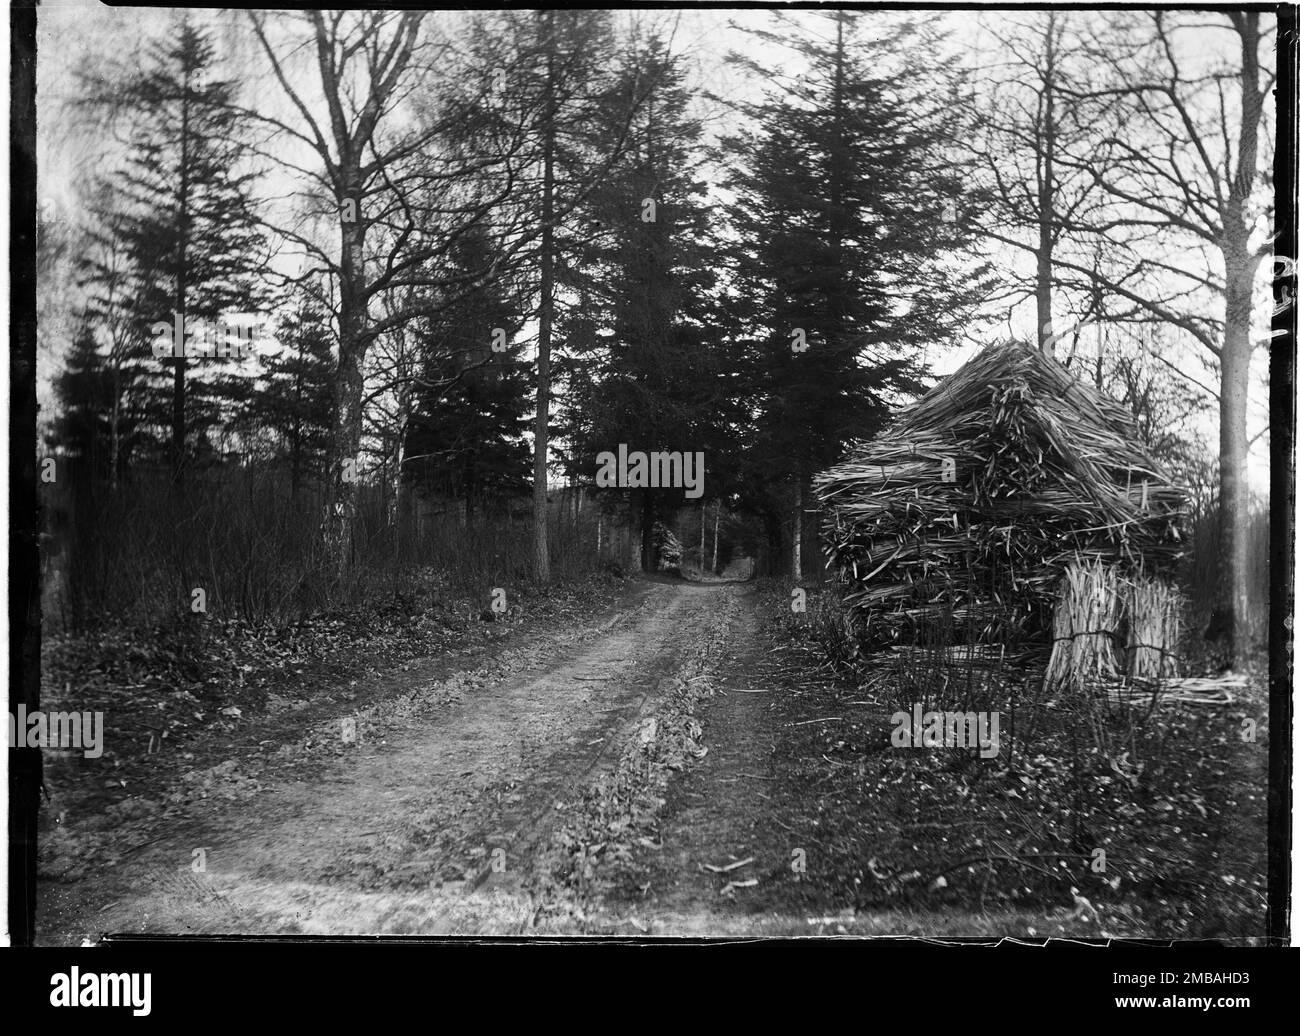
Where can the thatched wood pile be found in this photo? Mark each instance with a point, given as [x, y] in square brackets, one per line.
[968, 509]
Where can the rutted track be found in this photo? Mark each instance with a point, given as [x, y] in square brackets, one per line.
[434, 829]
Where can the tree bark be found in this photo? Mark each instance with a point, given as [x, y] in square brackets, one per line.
[541, 428]
[648, 560]
[182, 527]
[704, 524]
[182, 231]
[350, 382]
[796, 553]
[717, 519]
[1234, 505]
[115, 432]
[1046, 195]
[1240, 266]
[632, 541]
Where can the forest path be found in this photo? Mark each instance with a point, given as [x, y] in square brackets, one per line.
[718, 835]
[433, 829]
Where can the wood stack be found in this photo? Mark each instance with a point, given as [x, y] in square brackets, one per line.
[968, 510]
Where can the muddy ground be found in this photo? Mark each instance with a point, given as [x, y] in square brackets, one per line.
[662, 765]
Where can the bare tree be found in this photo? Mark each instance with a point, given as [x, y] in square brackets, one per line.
[1026, 116]
[546, 304]
[392, 181]
[412, 141]
[1188, 214]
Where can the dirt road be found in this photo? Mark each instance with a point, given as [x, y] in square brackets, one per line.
[429, 818]
[668, 767]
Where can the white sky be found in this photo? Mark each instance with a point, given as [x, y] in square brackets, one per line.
[78, 35]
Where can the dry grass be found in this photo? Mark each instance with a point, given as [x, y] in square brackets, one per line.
[1087, 627]
[1108, 628]
[1154, 629]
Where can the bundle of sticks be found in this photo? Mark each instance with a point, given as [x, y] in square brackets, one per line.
[970, 507]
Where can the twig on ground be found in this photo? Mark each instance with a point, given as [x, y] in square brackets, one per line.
[989, 858]
[729, 867]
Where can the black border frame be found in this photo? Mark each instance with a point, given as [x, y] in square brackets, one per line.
[25, 776]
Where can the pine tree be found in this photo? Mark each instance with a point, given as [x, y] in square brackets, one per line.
[465, 435]
[136, 404]
[645, 370]
[188, 226]
[841, 232]
[294, 397]
[569, 95]
[85, 392]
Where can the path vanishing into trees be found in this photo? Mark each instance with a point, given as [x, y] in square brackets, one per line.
[438, 816]
[663, 765]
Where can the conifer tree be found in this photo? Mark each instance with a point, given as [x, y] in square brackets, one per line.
[187, 225]
[841, 224]
[465, 435]
[294, 398]
[647, 361]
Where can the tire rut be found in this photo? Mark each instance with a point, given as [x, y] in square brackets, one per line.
[434, 831]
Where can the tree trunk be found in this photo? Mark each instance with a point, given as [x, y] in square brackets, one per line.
[399, 492]
[648, 560]
[717, 518]
[1046, 196]
[771, 560]
[633, 538]
[295, 433]
[1240, 265]
[1234, 496]
[182, 527]
[541, 429]
[115, 434]
[704, 524]
[350, 389]
[182, 220]
[796, 552]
